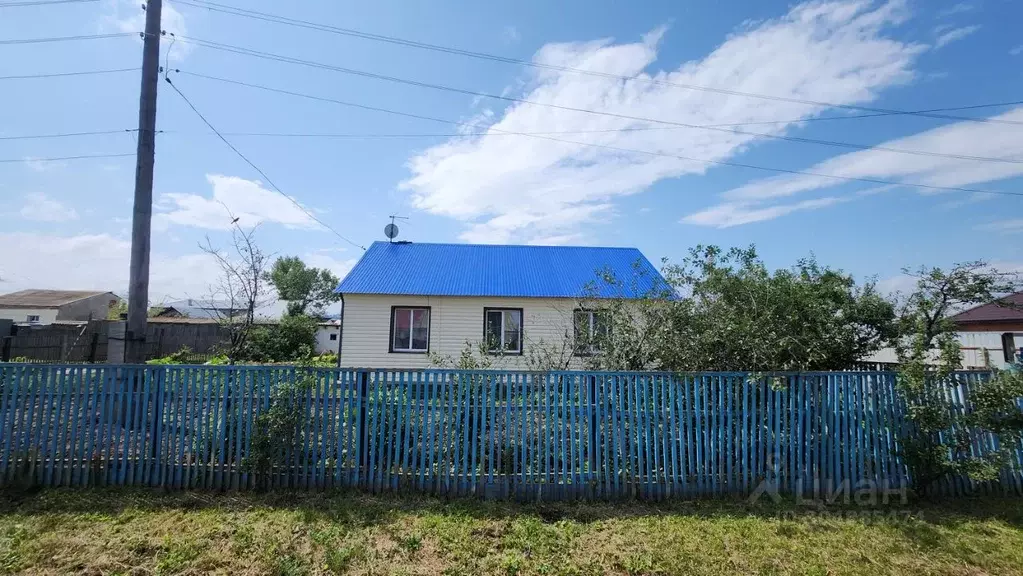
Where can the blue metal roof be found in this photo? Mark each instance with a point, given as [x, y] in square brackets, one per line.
[496, 270]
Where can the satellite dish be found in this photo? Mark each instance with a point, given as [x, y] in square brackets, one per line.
[391, 231]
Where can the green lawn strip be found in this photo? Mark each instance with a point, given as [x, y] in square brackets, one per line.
[149, 532]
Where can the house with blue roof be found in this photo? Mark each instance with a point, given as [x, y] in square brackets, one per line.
[406, 304]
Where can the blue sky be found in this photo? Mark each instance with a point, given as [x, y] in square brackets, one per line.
[66, 224]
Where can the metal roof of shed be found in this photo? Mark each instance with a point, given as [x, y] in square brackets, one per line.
[1006, 309]
[500, 270]
[46, 298]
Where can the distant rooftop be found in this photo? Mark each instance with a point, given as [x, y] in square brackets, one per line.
[45, 298]
[500, 270]
[194, 308]
[1007, 309]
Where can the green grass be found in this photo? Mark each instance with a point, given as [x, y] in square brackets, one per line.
[148, 532]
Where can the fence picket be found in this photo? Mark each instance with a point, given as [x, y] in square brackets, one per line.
[556, 435]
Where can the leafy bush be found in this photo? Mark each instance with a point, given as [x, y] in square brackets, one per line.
[278, 429]
[293, 339]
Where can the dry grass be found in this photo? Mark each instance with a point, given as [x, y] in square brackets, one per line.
[146, 532]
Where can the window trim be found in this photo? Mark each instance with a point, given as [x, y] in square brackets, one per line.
[592, 351]
[30, 318]
[522, 330]
[390, 332]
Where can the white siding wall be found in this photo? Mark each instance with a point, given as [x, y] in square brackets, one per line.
[324, 345]
[453, 320]
[973, 345]
[46, 315]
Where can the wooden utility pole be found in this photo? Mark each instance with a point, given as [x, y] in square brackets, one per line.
[142, 214]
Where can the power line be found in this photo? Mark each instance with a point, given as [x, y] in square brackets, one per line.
[66, 134]
[608, 147]
[256, 168]
[400, 135]
[42, 3]
[369, 136]
[373, 75]
[62, 158]
[62, 74]
[69, 38]
[267, 17]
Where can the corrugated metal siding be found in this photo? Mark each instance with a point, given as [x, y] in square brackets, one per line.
[453, 320]
[491, 270]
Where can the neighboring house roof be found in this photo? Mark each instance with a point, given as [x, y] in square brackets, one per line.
[1007, 309]
[46, 298]
[200, 308]
[498, 270]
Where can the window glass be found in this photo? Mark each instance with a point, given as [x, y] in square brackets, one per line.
[493, 332]
[591, 327]
[503, 331]
[420, 329]
[410, 329]
[512, 331]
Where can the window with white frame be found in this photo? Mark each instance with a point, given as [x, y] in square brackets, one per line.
[410, 329]
[591, 328]
[502, 330]
[32, 318]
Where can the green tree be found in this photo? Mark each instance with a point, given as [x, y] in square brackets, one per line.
[306, 290]
[727, 311]
[939, 440]
[121, 308]
[290, 340]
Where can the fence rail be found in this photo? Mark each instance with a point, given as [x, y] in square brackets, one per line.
[557, 435]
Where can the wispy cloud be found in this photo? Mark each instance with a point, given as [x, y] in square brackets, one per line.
[511, 34]
[1016, 51]
[946, 38]
[1006, 226]
[521, 189]
[37, 165]
[989, 139]
[956, 9]
[129, 16]
[107, 269]
[730, 214]
[41, 208]
[232, 197]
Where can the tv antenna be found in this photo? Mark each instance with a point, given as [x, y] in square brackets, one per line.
[391, 230]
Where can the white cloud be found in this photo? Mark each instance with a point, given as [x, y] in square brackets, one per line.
[989, 139]
[557, 240]
[511, 35]
[955, 34]
[37, 165]
[41, 208]
[1016, 51]
[128, 16]
[38, 260]
[956, 9]
[906, 284]
[518, 189]
[246, 200]
[318, 259]
[1005, 226]
[730, 214]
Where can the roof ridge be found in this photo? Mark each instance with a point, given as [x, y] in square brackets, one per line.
[481, 244]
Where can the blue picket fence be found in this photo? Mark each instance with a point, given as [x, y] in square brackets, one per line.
[556, 435]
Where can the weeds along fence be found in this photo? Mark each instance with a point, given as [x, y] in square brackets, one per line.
[557, 435]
